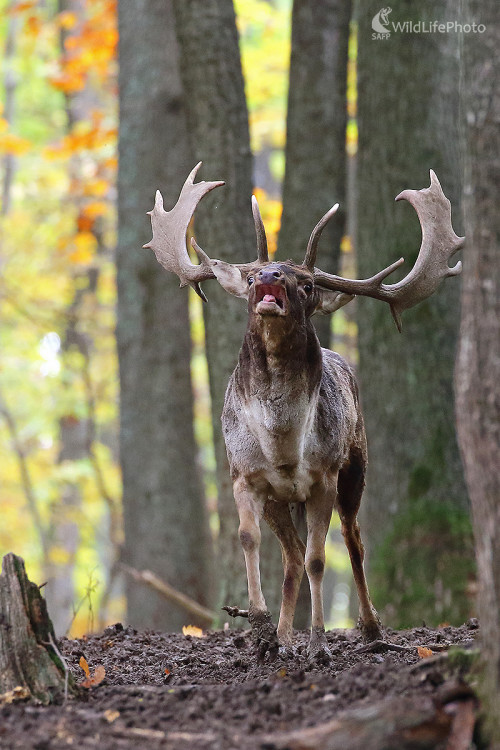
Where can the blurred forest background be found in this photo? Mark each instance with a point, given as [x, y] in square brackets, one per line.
[112, 380]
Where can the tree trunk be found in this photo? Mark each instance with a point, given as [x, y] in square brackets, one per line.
[30, 663]
[477, 379]
[315, 175]
[164, 514]
[416, 504]
[218, 130]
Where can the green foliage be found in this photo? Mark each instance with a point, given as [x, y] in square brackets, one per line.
[424, 566]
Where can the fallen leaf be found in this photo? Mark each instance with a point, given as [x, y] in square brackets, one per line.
[99, 675]
[96, 679]
[110, 715]
[424, 652]
[19, 693]
[167, 671]
[84, 665]
[193, 630]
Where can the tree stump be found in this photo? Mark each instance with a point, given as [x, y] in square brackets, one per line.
[30, 663]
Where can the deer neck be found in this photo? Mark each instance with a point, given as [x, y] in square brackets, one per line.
[279, 361]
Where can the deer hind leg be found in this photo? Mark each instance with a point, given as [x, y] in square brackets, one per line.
[279, 519]
[350, 487]
[250, 508]
[318, 515]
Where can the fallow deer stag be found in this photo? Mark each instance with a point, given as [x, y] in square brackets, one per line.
[292, 422]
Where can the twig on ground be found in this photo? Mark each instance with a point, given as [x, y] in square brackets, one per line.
[235, 611]
[379, 646]
[166, 590]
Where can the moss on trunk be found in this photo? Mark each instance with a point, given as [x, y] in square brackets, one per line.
[28, 656]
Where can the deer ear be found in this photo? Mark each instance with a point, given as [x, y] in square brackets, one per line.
[230, 278]
[330, 301]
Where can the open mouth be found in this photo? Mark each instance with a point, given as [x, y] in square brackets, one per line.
[270, 298]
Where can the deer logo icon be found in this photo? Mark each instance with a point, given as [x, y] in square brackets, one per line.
[380, 21]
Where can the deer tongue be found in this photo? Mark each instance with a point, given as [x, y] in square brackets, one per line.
[269, 298]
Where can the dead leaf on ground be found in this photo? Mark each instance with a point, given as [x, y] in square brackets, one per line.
[96, 679]
[19, 693]
[424, 652]
[193, 631]
[111, 715]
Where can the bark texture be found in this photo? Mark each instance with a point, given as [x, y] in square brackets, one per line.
[478, 365]
[315, 174]
[218, 130]
[164, 514]
[30, 666]
[416, 503]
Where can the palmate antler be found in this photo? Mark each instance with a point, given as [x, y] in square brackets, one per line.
[169, 235]
[439, 244]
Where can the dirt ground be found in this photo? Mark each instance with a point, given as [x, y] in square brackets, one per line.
[165, 690]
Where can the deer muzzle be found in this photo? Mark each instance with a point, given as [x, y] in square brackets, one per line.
[270, 299]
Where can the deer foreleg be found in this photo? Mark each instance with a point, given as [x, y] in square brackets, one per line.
[280, 521]
[250, 510]
[319, 512]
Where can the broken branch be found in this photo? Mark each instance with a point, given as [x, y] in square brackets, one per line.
[168, 592]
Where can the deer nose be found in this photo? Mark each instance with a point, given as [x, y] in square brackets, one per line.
[268, 276]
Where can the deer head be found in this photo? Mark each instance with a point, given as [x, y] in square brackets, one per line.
[268, 285]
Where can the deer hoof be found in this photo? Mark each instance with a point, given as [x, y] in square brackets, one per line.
[287, 652]
[371, 630]
[318, 650]
[264, 633]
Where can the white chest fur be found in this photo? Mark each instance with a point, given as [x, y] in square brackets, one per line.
[283, 426]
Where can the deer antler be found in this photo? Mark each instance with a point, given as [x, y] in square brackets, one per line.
[169, 239]
[439, 244]
[169, 233]
[312, 245]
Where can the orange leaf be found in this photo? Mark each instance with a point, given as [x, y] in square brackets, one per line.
[96, 208]
[33, 26]
[84, 666]
[13, 144]
[193, 630]
[111, 715]
[85, 245]
[424, 652]
[67, 19]
[99, 675]
[19, 7]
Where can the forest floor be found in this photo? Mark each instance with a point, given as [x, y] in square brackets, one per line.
[164, 690]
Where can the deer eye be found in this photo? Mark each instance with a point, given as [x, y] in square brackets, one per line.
[250, 280]
[308, 288]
